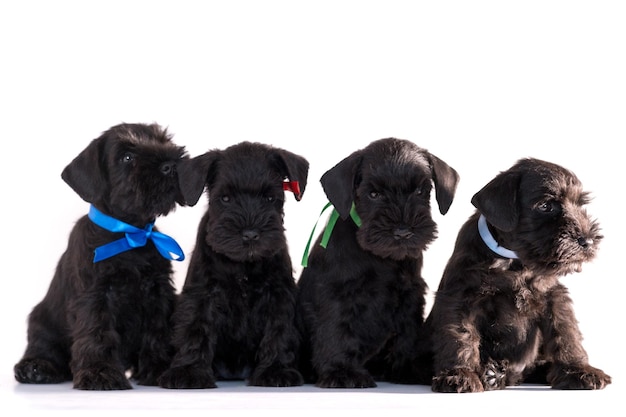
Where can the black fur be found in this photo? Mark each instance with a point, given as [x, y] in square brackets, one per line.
[496, 321]
[361, 299]
[235, 317]
[99, 320]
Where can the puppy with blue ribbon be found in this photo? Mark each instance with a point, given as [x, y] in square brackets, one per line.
[108, 307]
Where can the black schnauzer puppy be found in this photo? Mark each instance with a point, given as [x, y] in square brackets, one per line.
[235, 315]
[361, 297]
[108, 313]
[500, 312]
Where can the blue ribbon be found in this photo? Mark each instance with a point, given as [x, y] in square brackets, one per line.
[134, 238]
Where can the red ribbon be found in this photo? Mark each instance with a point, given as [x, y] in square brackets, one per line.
[293, 186]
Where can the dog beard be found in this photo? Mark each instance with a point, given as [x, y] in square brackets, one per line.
[224, 236]
[169, 196]
[387, 238]
[568, 251]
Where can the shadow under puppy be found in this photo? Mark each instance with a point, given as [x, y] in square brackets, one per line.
[235, 315]
[362, 296]
[500, 311]
[109, 313]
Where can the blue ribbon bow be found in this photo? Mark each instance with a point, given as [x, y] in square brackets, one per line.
[134, 238]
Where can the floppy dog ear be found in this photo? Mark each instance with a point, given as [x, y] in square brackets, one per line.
[445, 179]
[85, 174]
[295, 169]
[497, 201]
[193, 175]
[339, 183]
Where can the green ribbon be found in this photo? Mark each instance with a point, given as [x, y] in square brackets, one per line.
[334, 215]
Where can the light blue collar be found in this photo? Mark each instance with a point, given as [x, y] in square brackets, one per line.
[134, 238]
[490, 241]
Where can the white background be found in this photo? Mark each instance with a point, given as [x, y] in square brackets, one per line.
[478, 83]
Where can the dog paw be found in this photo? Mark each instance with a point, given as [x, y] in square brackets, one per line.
[346, 378]
[39, 371]
[284, 377]
[187, 377]
[494, 376]
[149, 376]
[575, 378]
[457, 380]
[105, 378]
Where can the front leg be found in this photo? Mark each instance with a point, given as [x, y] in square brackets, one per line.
[193, 341]
[155, 353]
[340, 351]
[457, 358]
[570, 368]
[96, 362]
[276, 354]
[408, 358]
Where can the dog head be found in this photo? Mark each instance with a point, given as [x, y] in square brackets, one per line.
[129, 172]
[246, 184]
[390, 182]
[537, 209]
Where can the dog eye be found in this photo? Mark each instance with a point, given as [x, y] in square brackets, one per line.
[128, 157]
[374, 195]
[270, 198]
[225, 199]
[419, 191]
[548, 206]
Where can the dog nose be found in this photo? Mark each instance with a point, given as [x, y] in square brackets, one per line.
[167, 168]
[402, 233]
[585, 242]
[249, 235]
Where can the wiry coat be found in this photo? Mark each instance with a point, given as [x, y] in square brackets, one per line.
[235, 317]
[496, 320]
[99, 320]
[361, 299]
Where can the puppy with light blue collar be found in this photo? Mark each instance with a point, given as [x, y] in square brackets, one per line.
[500, 315]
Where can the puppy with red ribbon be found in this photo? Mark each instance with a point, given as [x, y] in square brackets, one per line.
[235, 315]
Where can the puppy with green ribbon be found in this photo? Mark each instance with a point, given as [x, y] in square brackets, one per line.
[361, 296]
